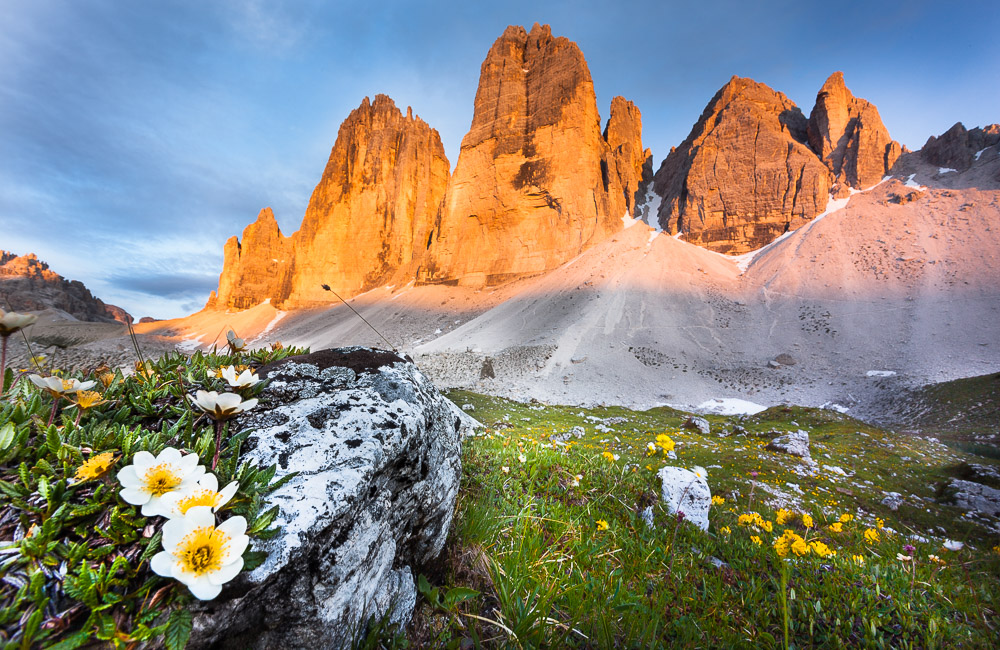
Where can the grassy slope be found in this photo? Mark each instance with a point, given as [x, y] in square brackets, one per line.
[527, 541]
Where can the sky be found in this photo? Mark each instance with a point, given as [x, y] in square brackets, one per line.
[136, 137]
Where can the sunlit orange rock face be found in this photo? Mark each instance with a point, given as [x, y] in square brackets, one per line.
[536, 182]
[745, 174]
[847, 133]
[367, 222]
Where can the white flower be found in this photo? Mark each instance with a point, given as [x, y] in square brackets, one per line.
[505, 469]
[222, 407]
[236, 344]
[205, 493]
[59, 386]
[149, 478]
[200, 554]
[952, 545]
[11, 322]
[522, 458]
[903, 558]
[245, 379]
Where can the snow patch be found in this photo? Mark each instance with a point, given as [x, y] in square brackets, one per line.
[945, 170]
[912, 183]
[628, 221]
[729, 406]
[980, 152]
[274, 321]
[832, 406]
[190, 344]
[650, 209]
[880, 373]
[678, 235]
[652, 236]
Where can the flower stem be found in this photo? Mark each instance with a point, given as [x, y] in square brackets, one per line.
[218, 443]
[52, 415]
[3, 364]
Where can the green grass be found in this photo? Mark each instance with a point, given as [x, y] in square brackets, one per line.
[526, 539]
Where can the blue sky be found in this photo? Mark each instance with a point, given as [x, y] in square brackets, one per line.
[135, 137]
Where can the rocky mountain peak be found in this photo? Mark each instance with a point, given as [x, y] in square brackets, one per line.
[744, 175]
[848, 135]
[536, 182]
[957, 148]
[28, 284]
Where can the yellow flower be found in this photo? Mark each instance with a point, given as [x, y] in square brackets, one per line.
[755, 540]
[783, 516]
[725, 530]
[858, 559]
[937, 560]
[800, 548]
[766, 525]
[651, 449]
[996, 549]
[87, 399]
[807, 521]
[95, 466]
[717, 500]
[664, 442]
[821, 549]
[846, 518]
[837, 527]
[602, 525]
[871, 536]
[611, 457]
[879, 523]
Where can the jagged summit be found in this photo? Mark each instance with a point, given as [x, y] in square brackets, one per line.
[744, 175]
[536, 182]
[847, 133]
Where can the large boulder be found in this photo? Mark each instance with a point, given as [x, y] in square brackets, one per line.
[376, 453]
[686, 491]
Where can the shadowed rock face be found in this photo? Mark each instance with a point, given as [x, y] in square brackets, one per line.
[368, 219]
[957, 147]
[27, 284]
[848, 135]
[744, 175]
[536, 182]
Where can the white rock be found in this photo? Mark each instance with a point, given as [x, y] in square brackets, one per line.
[687, 491]
[794, 443]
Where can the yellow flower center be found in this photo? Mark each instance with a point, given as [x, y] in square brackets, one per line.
[203, 549]
[67, 385]
[96, 466]
[199, 498]
[161, 479]
[87, 398]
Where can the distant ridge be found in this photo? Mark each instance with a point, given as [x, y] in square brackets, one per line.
[27, 284]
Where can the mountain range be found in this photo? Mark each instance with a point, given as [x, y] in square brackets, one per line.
[771, 255]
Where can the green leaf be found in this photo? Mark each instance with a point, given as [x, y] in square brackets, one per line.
[6, 435]
[458, 595]
[152, 548]
[72, 642]
[253, 559]
[178, 631]
[264, 520]
[53, 440]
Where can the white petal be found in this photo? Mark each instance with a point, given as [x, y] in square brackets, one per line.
[203, 589]
[87, 385]
[162, 564]
[249, 404]
[135, 496]
[209, 482]
[234, 527]
[229, 374]
[226, 572]
[236, 547]
[168, 504]
[143, 460]
[229, 400]
[227, 493]
[169, 455]
[154, 507]
[199, 517]
[173, 532]
[38, 380]
[128, 478]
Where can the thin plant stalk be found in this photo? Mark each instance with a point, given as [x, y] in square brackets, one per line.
[218, 442]
[3, 365]
[784, 599]
[55, 405]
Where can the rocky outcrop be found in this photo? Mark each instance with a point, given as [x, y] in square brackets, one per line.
[27, 284]
[633, 165]
[377, 458]
[686, 491]
[847, 133]
[744, 175]
[793, 443]
[957, 148]
[258, 268]
[368, 220]
[536, 182]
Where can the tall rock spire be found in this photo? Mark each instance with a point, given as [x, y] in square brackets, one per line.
[535, 182]
[847, 133]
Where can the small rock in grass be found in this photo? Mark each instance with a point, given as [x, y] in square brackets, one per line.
[701, 424]
[687, 491]
[794, 443]
[647, 516]
[892, 500]
[468, 407]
